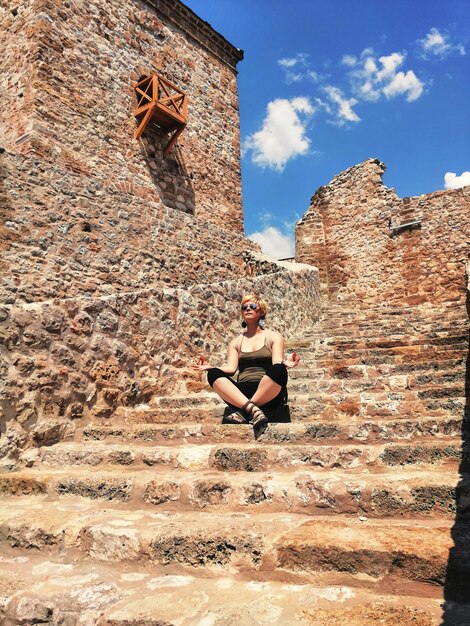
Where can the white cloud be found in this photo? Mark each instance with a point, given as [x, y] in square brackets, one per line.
[377, 78]
[343, 107]
[349, 60]
[298, 68]
[437, 44]
[404, 83]
[287, 62]
[294, 67]
[452, 181]
[282, 136]
[390, 65]
[266, 217]
[274, 243]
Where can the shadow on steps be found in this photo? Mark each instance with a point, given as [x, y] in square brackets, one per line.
[457, 583]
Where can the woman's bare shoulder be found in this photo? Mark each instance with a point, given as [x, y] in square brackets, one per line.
[236, 341]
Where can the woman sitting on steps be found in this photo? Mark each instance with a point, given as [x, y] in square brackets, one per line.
[258, 354]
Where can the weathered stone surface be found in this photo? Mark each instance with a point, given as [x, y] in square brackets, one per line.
[48, 433]
[30, 610]
[96, 489]
[418, 500]
[58, 378]
[12, 441]
[159, 493]
[257, 493]
[20, 535]
[323, 546]
[239, 460]
[110, 543]
[202, 550]
[209, 492]
[12, 485]
[364, 250]
[376, 613]
[408, 455]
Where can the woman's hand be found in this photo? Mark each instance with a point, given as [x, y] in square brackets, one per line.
[201, 365]
[201, 368]
[292, 361]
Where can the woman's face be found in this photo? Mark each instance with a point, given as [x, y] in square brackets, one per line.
[250, 310]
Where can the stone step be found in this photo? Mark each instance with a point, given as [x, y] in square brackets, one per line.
[240, 542]
[412, 357]
[391, 330]
[379, 319]
[212, 401]
[340, 430]
[402, 492]
[417, 552]
[250, 457]
[361, 330]
[303, 407]
[442, 311]
[359, 377]
[416, 383]
[305, 372]
[388, 343]
[388, 355]
[36, 587]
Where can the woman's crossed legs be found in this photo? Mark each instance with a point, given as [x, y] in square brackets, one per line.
[250, 396]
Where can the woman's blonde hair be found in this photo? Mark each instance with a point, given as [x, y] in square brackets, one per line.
[252, 297]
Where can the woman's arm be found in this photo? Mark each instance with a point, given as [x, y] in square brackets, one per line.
[232, 358]
[277, 351]
[277, 347]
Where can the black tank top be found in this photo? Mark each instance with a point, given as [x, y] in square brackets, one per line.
[252, 366]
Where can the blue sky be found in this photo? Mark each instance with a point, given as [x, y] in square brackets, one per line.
[325, 84]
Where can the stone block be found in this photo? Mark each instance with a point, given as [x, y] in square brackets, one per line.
[95, 489]
[109, 543]
[210, 492]
[157, 492]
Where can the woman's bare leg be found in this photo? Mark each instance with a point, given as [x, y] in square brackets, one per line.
[267, 390]
[229, 392]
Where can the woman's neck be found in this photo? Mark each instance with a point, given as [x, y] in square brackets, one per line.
[252, 328]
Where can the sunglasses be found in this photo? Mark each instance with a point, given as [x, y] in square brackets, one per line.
[253, 306]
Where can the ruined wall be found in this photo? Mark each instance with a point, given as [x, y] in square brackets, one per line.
[69, 71]
[68, 361]
[353, 232]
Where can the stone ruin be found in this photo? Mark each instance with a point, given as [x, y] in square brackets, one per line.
[373, 247]
[125, 501]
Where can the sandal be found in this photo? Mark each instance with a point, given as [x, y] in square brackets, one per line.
[258, 418]
[235, 418]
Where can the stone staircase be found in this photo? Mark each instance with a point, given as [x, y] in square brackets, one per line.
[354, 513]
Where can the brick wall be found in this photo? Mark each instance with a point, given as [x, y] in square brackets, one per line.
[68, 76]
[355, 232]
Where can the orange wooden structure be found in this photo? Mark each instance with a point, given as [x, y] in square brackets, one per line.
[161, 102]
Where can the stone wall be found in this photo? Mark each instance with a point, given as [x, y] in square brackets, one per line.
[68, 72]
[61, 236]
[67, 361]
[19, 56]
[119, 266]
[355, 231]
